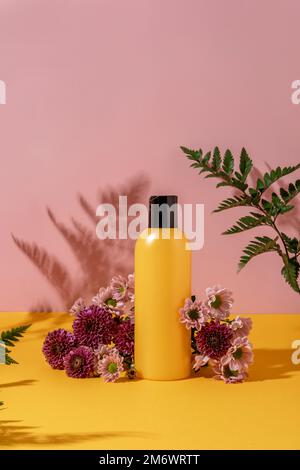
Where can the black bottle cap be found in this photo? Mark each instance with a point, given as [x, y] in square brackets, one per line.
[163, 211]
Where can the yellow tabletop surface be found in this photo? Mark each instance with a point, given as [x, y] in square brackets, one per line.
[44, 409]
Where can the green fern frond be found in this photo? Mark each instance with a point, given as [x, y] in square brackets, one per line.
[276, 206]
[268, 209]
[274, 175]
[10, 337]
[288, 194]
[246, 223]
[192, 154]
[290, 272]
[217, 160]
[13, 335]
[228, 162]
[235, 201]
[256, 247]
[292, 244]
[246, 164]
[10, 360]
[218, 168]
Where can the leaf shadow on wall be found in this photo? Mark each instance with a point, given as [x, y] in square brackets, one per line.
[98, 260]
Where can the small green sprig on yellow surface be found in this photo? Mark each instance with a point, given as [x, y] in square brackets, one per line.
[10, 337]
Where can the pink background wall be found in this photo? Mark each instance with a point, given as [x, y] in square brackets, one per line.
[101, 91]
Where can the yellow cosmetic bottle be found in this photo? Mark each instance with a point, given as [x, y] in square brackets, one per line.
[162, 282]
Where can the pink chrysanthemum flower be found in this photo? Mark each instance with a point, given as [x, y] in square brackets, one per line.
[105, 298]
[229, 376]
[78, 305]
[80, 363]
[57, 345]
[241, 327]
[111, 367]
[130, 286]
[94, 326]
[127, 309]
[214, 339]
[199, 361]
[219, 301]
[101, 352]
[119, 287]
[194, 314]
[239, 356]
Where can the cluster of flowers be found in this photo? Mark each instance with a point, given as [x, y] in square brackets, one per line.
[216, 340]
[102, 341]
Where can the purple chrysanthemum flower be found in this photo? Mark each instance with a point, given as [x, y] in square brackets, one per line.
[124, 339]
[80, 363]
[93, 326]
[57, 345]
[214, 339]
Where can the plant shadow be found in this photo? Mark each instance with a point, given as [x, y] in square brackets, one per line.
[12, 434]
[98, 260]
[19, 383]
[271, 364]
